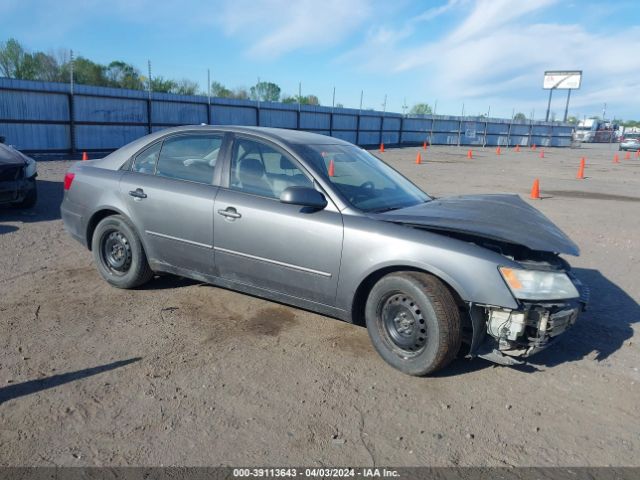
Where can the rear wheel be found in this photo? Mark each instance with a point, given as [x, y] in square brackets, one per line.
[118, 253]
[414, 322]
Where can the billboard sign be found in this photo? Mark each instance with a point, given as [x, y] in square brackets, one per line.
[562, 80]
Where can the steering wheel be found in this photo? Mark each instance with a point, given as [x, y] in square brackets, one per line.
[364, 191]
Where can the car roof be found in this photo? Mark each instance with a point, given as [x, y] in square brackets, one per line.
[279, 135]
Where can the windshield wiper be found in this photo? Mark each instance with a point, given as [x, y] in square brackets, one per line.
[386, 209]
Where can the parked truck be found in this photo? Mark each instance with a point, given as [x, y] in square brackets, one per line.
[593, 130]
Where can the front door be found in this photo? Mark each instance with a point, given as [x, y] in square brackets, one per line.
[170, 196]
[264, 243]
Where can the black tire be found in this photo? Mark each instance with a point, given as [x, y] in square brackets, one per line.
[32, 196]
[414, 322]
[119, 254]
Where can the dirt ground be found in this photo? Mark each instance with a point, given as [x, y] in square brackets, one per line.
[180, 373]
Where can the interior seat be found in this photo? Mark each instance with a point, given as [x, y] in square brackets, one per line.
[251, 175]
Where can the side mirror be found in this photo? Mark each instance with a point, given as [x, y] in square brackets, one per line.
[304, 196]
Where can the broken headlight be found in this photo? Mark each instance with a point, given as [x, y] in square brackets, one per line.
[538, 285]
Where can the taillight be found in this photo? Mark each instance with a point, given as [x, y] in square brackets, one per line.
[68, 180]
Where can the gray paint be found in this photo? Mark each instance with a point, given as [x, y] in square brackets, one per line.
[315, 259]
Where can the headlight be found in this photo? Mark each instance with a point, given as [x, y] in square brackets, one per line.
[538, 285]
[31, 168]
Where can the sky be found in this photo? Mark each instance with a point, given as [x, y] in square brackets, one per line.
[486, 56]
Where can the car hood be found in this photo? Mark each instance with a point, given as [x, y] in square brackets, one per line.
[502, 217]
[11, 156]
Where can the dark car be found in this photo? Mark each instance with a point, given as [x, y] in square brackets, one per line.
[316, 222]
[17, 178]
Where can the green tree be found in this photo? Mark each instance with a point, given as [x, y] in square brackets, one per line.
[240, 93]
[265, 91]
[421, 109]
[185, 87]
[572, 120]
[123, 75]
[13, 60]
[86, 72]
[160, 84]
[304, 100]
[46, 67]
[219, 90]
[520, 117]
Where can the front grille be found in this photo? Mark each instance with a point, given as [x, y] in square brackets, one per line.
[10, 172]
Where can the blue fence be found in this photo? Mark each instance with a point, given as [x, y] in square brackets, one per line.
[45, 118]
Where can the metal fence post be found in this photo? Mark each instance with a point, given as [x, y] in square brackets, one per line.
[401, 131]
[149, 124]
[358, 130]
[72, 124]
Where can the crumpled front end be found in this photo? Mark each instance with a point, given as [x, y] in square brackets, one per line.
[507, 336]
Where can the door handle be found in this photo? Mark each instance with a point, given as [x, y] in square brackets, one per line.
[230, 213]
[138, 193]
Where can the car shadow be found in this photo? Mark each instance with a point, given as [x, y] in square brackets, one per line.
[47, 208]
[7, 229]
[601, 330]
[33, 386]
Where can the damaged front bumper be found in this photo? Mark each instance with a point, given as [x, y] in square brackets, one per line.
[507, 336]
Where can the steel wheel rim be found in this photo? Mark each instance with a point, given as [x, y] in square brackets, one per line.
[116, 252]
[403, 323]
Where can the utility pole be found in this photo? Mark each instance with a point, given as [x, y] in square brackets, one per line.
[149, 70]
[361, 97]
[333, 102]
[299, 95]
[208, 87]
[71, 71]
[384, 105]
[404, 107]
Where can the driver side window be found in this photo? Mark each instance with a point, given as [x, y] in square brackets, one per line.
[260, 169]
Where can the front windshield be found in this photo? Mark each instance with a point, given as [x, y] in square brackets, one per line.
[365, 181]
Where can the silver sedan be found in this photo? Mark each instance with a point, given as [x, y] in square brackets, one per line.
[318, 223]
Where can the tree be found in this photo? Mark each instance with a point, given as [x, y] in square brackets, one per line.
[160, 84]
[12, 60]
[240, 93]
[219, 90]
[572, 120]
[185, 87]
[521, 117]
[304, 100]
[339, 105]
[86, 72]
[123, 75]
[265, 91]
[421, 109]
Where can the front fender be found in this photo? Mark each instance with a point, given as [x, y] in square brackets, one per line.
[371, 246]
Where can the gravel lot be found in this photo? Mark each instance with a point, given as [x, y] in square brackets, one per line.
[180, 373]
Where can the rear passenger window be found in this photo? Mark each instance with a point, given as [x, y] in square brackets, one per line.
[189, 157]
[146, 160]
[260, 169]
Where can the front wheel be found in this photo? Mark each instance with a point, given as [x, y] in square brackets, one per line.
[414, 322]
[118, 253]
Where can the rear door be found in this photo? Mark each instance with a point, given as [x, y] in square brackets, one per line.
[170, 193]
[262, 242]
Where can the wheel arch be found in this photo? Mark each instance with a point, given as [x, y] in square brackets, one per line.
[365, 286]
[99, 215]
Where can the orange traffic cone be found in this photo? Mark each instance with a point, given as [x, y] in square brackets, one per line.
[580, 175]
[517, 148]
[616, 158]
[542, 153]
[424, 145]
[332, 168]
[627, 156]
[418, 159]
[533, 147]
[535, 190]
[382, 148]
[469, 154]
[85, 156]
[498, 151]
